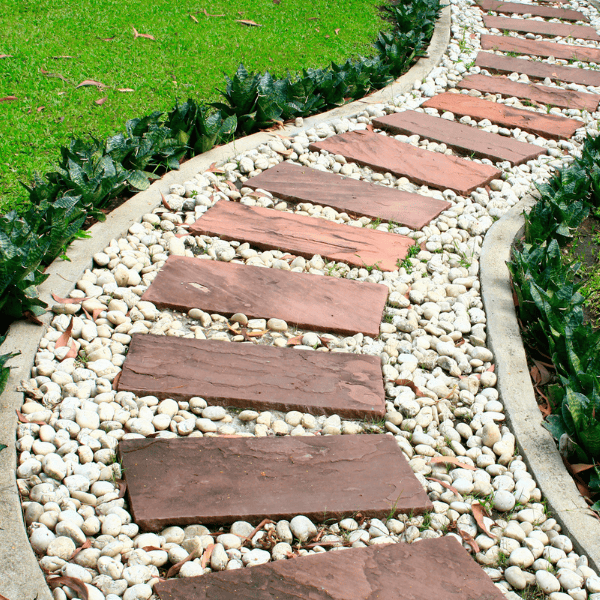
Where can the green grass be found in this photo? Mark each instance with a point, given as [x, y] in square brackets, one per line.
[187, 59]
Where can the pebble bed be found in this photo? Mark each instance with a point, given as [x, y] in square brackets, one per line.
[433, 333]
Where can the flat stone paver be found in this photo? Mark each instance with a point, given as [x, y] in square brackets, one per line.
[520, 8]
[464, 138]
[295, 183]
[302, 299]
[267, 228]
[254, 376]
[542, 94]
[383, 153]
[433, 568]
[547, 126]
[584, 32]
[505, 43]
[220, 480]
[537, 69]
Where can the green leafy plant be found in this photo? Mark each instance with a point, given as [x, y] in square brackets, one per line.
[4, 371]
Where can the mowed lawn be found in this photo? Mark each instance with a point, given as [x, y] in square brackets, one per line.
[48, 48]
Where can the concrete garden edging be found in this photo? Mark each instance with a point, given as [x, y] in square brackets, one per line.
[20, 575]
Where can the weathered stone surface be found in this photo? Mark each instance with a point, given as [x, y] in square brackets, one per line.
[463, 138]
[542, 94]
[433, 568]
[306, 236]
[548, 126]
[382, 153]
[584, 32]
[221, 480]
[536, 48]
[520, 8]
[254, 376]
[536, 69]
[302, 184]
[302, 299]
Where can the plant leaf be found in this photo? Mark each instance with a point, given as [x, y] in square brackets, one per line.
[8, 98]
[100, 101]
[87, 82]
[64, 338]
[68, 300]
[75, 584]
[248, 22]
[452, 460]
[478, 513]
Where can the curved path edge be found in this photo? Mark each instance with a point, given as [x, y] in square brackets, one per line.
[537, 446]
[20, 575]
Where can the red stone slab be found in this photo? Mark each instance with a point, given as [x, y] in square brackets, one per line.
[432, 568]
[302, 299]
[306, 236]
[220, 480]
[584, 32]
[542, 94]
[463, 138]
[536, 69]
[547, 126]
[519, 8]
[383, 153]
[255, 376]
[302, 184]
[505, 43]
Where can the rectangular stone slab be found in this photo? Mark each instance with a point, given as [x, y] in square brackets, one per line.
[464, 138]
[220, 480]
[542, 94]
[383, 153]
[505, 43]
[584, 32]
[547, 126]
[306, 236]
[537, 69]
[520, 8]
[255, 376]
[295, 183]
[433, 568]
[302, 299]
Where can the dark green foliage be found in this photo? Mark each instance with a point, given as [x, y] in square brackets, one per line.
[4, 372]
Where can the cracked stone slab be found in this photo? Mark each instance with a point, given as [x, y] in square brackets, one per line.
[583, 32]
[302, 299]
[464, 138]
[537, 69]
[547, 126]
[505, 43]
[181, 481]
[542, 94]
[305, 236]
[434, 169]
[520, 8]
[296, 183]
[433, 568]
[255, 376]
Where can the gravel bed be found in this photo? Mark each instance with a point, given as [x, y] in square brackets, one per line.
[433, 334]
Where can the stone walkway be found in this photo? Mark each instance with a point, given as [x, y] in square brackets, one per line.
[184, 467]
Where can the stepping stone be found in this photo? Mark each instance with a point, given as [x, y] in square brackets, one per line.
[306, 236]
[383, 153]
[431, 568]
[584, 32]
[505, 43]
[294, 183]
[220, 480]
[255, 376]
[546, 126]
[542, 94]
[464, 138]
[519, 8]
[537, 69]
[302, 299]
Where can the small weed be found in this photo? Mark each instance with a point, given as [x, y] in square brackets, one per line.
[370, 268]
[505, 32]
[375, 223]
[532, 592]
[392, 512]
[406, 263]
[502, 559]
[426, 522]
[512, 54]
[465, 261]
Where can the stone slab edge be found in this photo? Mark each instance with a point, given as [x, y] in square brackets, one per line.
[20, 575]
[535, 443]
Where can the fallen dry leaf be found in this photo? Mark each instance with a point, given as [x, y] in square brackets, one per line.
[214, 169]
[68, 300]
[578, 468]
[469, 539]
[115, 383]
[336, 31]
[75, 584]
[206, 13]
[8, 98]
[295, 340]
[96, 312]
[122, 489]
[207, 554]
[248, 22]
[478, 513]
[23, 419]
[125, 90]
[6, 55]
[40, 108]
[276, 1]
[445, 484]
[410, 384]
[452, 460]
[177, 566]
[64, 338]
[193, 18]
[100, 101]
[107, 39]
[164, 202]
[86, 544]
[258, 333]
[87, 82]
[136, 35]
[327, 37]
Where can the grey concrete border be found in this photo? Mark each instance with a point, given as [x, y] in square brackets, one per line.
[516, 391]
[20, 575]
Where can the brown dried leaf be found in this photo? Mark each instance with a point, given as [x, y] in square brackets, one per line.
[207, 554]
[336, 31]
[31, 317]
[96, 312]
[193, 18]
[276, 1]
[469, 539]
[125, 90]
[410, 384]
[287, 152]
[206, 13]
[295, 340]
[100, 101]
[86, 544]
[115, 382]
[107, 39]
[87, 82]
[40, 108]
[8, 98]
[176, 567]
[164, 202]
[445, 484]
[452, 460]
[63, 340]
[6, 55]
[544, 373]
[578, 468]
[68, 300]
[248, 22]
[136, 35]
[23, 419]
[75, 584]
[258, 333]
[478, 513]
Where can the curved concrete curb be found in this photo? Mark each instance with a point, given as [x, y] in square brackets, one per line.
[516, 391]
[20, 575]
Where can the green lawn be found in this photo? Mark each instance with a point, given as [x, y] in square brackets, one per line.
[188, 57]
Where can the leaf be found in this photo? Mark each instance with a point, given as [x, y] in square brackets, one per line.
[445, 484]
[336, 31]
[107, 39]
[164, 202]
[23, 419]
[295, 340]
[410, 384]
[207, 554]
[177, 566]
[248, 22]
[40, 108]
[68, 300]
[478, 513]
[578, 468]
[125, 90]
[87, 82]
[193, 18]
[100, 101]
[86, 544]
[75, 584]
[142, 35]
[2, 447]
[8, 98]
[544, 373]
[276, 1]
[467, 537]
[64, 338]
[452, 460]
[6, 55]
